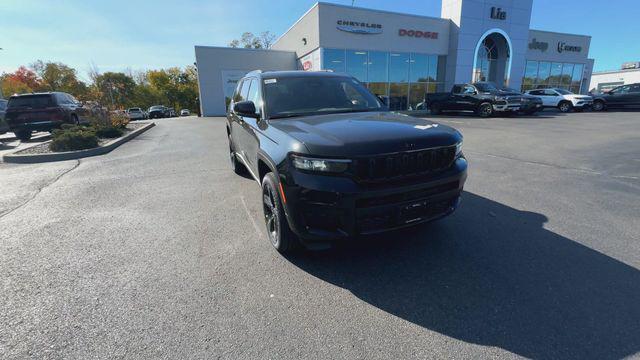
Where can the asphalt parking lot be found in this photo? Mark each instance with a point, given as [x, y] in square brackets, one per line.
[157, 250]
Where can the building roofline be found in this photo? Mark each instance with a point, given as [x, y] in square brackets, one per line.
[383, 11]
[317, 4]
[604, 72]
[296, 23]
[241, 49]
[560, 33]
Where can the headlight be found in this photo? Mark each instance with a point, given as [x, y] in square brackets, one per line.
[320, 165]
[459, 149]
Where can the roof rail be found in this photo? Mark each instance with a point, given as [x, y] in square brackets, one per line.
[253, 72]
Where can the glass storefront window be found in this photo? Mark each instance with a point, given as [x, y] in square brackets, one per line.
[405, 78]
[356, 64]
[378, 67]
[417, 92]
[419, 68]
[544, 69]
[333, 59]
[399, 67]
[544, 74]
[556, 73]
[576, 79]
[433, 68]
[567, 72]
[398, 94]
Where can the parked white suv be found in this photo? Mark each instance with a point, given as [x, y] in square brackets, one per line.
[562, 99]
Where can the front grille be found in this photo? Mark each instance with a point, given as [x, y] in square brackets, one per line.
[514, 99]
[403, 165]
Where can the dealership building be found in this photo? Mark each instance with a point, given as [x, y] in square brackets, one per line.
[405, 56]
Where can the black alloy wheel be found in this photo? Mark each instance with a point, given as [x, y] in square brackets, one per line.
[278, 231]
[485, 110]
[598, 105]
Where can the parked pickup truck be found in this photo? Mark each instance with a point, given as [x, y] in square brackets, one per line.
[620, 97]
[482, 98]
[334, 163]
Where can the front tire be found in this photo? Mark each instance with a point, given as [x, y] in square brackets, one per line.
[278, 230]
[565, 106]
[598, 105]
[485, 110]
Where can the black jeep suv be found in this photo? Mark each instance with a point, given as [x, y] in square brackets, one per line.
[333, 163]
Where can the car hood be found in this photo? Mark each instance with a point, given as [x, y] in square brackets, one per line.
[367, 133]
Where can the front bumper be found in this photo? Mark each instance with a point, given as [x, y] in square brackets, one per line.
[323, 209]
[582, 103]
[504, 106]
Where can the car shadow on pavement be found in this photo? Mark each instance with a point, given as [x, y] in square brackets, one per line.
[493, 275]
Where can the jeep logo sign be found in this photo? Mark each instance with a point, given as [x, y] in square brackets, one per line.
[359, 27]
[498, 13]
[418, 34]
[562, 47]
[538, 45]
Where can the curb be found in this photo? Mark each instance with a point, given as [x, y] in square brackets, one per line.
[70, 155]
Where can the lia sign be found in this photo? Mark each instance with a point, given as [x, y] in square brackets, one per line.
[498, 13]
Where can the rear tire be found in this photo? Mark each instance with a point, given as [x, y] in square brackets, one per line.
[485, 110]
[565, 106]
[23, 135]
[278, 230]
[598, 105]
[75, 119]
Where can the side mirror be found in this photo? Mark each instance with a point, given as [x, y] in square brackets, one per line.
[245, 108]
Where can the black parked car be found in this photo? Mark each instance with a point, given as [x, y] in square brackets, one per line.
[158, 112]
[3, 124]
[620, 97]
[44, 112]
[482, 98]
[333, 163]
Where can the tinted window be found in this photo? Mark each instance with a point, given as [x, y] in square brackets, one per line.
[33, 101]
[486, 87]
[305, 95]
[3, 104]
[536, 92]
[635, 89]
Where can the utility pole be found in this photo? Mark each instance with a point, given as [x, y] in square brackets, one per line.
[1, 96]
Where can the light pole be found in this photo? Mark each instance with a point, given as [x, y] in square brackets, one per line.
[1, 96]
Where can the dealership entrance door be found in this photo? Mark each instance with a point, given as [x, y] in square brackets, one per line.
[493, 58]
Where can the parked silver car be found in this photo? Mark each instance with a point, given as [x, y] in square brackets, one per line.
[136, 114]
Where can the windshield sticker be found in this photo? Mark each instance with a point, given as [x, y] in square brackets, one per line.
[270, 81]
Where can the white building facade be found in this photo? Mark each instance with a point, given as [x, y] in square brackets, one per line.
[405, 56]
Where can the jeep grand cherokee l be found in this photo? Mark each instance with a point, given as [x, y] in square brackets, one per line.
[43, 112]
[333, 163]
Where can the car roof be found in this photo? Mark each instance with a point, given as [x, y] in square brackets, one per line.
[295, 73]
[39, 93]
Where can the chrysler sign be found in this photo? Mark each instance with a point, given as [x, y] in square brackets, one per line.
[359, 27]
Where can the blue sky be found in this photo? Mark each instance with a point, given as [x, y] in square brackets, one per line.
[119, 35]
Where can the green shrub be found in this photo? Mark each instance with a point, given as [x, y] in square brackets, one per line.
[108, 132]
[73, 137]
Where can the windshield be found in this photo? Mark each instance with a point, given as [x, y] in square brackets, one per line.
[564, 92]
[306, 95]
[135, 110]
[156, 108]
[508, 89]
[486, 87]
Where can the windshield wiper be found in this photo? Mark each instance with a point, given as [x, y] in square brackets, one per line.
[282, 116]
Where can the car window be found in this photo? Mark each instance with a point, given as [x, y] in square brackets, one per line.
[550, 92]
[3, 105]
[468, 89]
[457, 89]
[72, 99]
[254, 94]
[622, 89]
[306, 95]
[635, 88]
[33, 101]
[536, 92]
